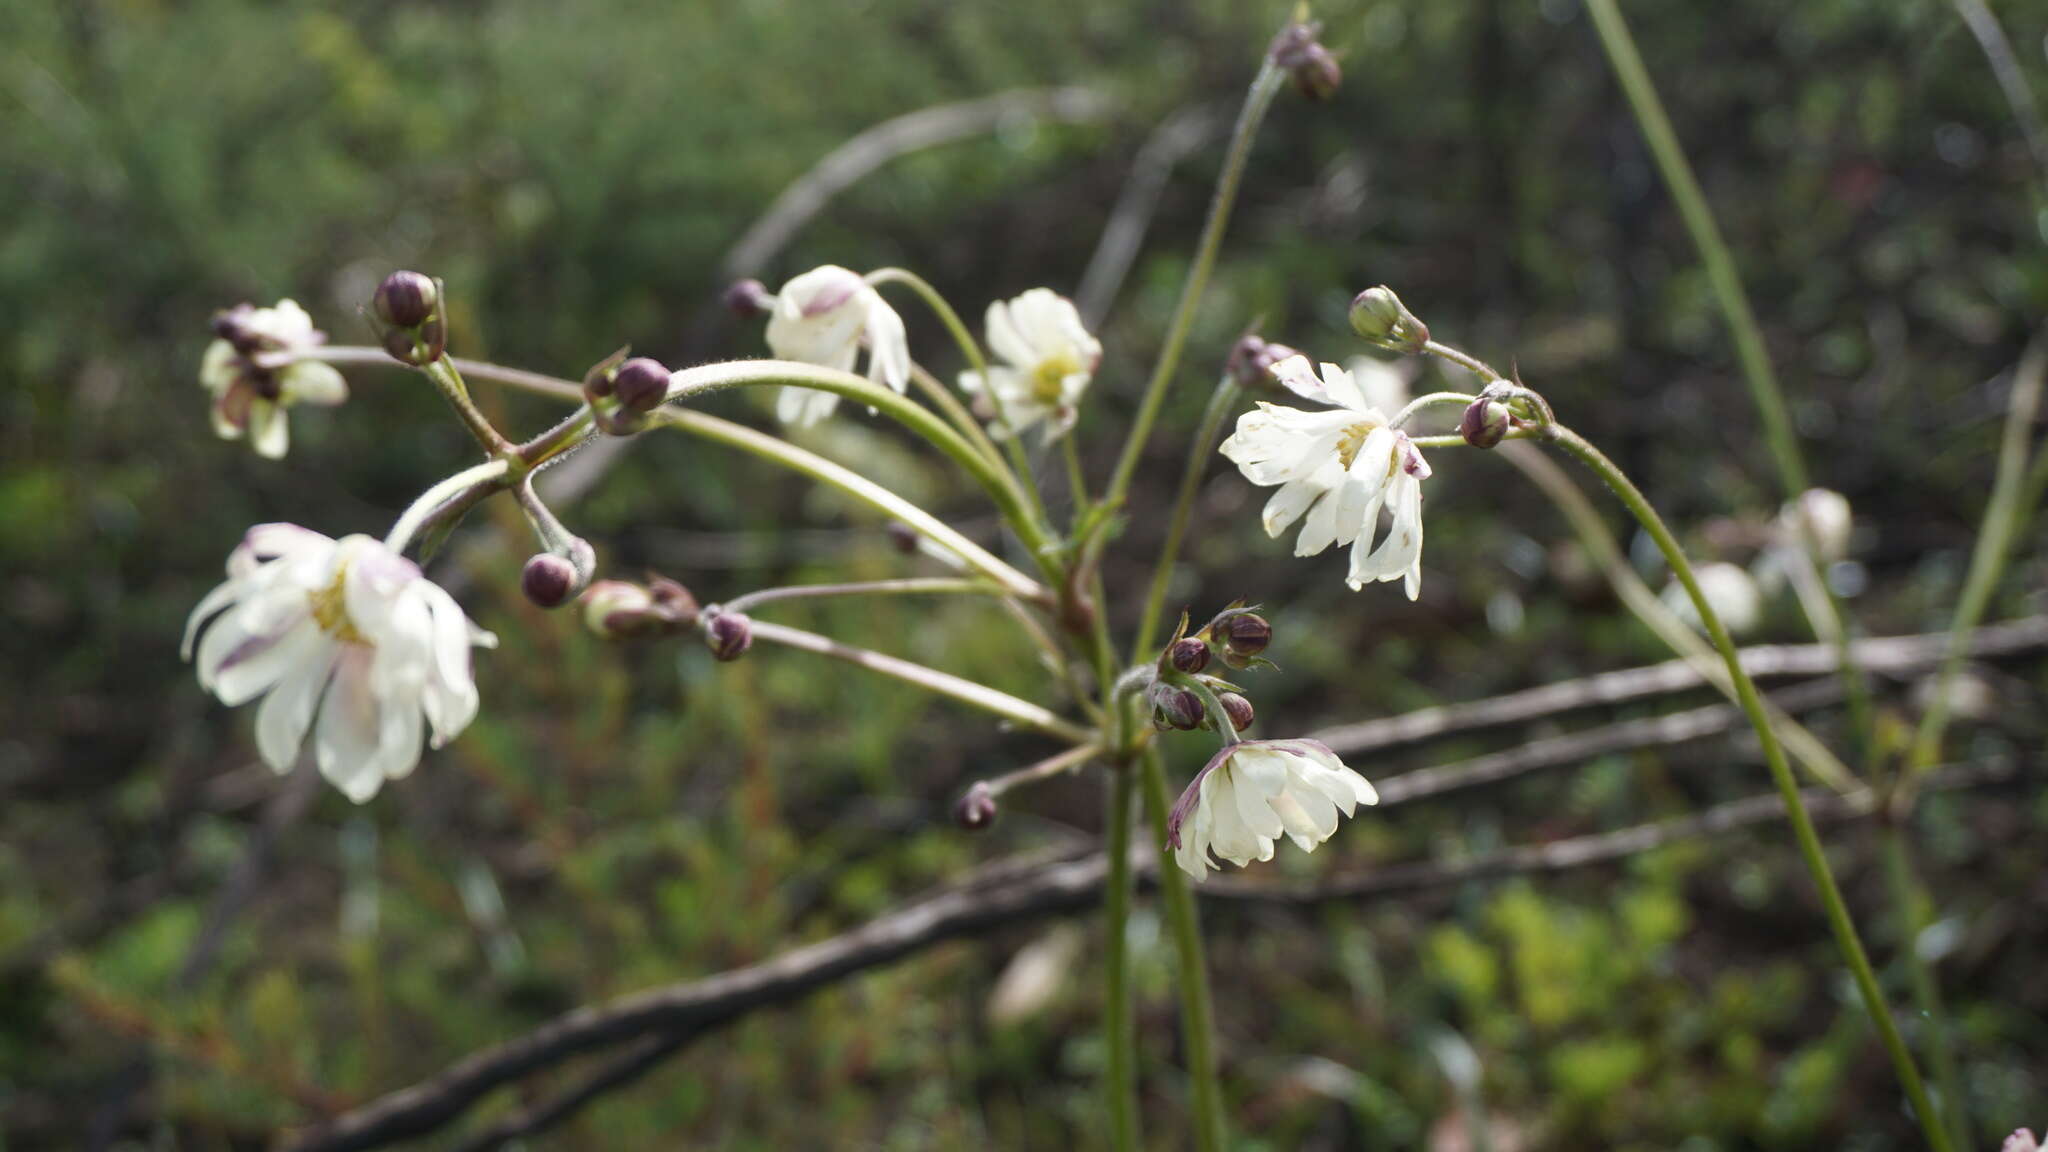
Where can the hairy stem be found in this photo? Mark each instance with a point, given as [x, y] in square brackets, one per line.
[946, 684]
[486, 474]
[1220, 402]
[1256, 102]
[1847, 940]
[1196, 1014]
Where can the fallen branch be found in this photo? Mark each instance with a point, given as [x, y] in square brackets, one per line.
[675, 1013]
[1888, 655]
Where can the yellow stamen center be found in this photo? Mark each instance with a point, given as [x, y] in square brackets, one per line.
[1049, 375]
[330, 611]
[1349, 444]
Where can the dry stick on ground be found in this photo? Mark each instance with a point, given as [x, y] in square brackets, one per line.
[990, 900]
[1891, 655]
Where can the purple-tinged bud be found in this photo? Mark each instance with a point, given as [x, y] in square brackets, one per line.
[1188, 654]
[1310, 65]
[747, 299]
[903, 537]
[1484, 424]
[1245, 634]
[405, 299]
[976, 810]
[1251, 362]
[1238, 709]
[641, 384]
[1379, 316]
[673, 603]
[548, 580]
[616, 610]
[728, 635]
[1174, 707]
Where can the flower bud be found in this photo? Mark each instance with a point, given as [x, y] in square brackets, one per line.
[1237, 708]
[728, 635]
[1379, 316]
[1188, 654]
[976, 810]
[548, 580]
[1484, 424]
[747, 299]
[1174, 707]
[1245, 635]
[405, 299]
[641, 384]
[673, 603]
[902, 537]
[1314, 71]
[1251, 362]
[615, 609]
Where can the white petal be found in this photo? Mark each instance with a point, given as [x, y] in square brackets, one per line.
[288, 711]
[312, 382]
[345, 741]
[217, 368]
[267, 431]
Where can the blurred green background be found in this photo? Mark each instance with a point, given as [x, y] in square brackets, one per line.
[620, 818]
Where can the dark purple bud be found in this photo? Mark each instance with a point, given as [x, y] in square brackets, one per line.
[673, 603]
[1237, 708]
[728, 635]
[903, 537]
[1246, 634]
[747, 299]
[1174, 707]
[1310, 65]
[1484, 424]
[1251, 362]
[641, 384]
[405, 299]
[1188, 654]
[976, 810]
[548, 580]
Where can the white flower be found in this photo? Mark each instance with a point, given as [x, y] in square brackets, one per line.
[253, 377]
[1826, 512]
[1050, 357]
[823, 317]
[1340, 467]
[1252, 792]
[1730, 591]
[345, 629]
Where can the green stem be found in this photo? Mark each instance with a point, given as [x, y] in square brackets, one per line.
[2004, 515]
[1844, 928]
[911, 586]
[930, 679]
[1256, 102]
[448, 381]
[487, 475]
[1206, 1103]
[977, 363]
[1120, 1026]
[1742, 326]
[1910, 905]
[1000, 486]
[943, 399]
[1077, 480]
[778, 451]
[1220, 402]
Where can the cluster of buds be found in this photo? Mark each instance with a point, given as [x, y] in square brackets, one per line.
[1503, 406]
[621, 610]
[1310, 65]
[1383, 321]
[621, 392]
[409, 307]
[1236, 637]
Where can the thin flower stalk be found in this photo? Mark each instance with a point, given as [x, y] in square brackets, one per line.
[1220, 403]
[981, 696]
[1847, 940]
[485, 475]
[911, 586]
[1120, 1026]
[1196, 1012]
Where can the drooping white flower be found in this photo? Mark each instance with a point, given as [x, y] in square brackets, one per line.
[1730, 591]
[1048, 359]
[823, 317]
[250, 371]
[345, 630]
[1254, 791]
[1336, 469]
